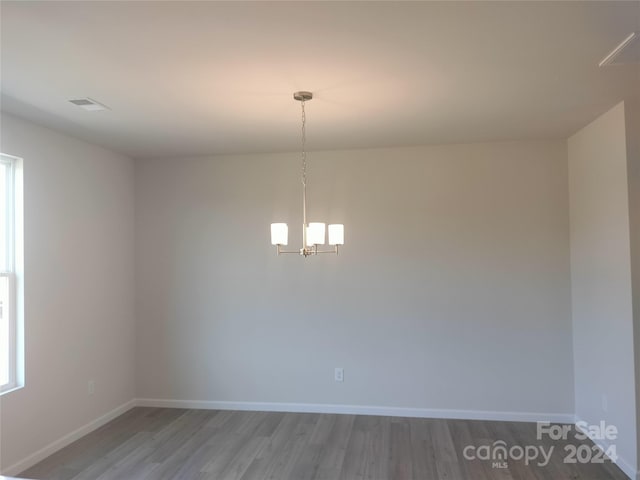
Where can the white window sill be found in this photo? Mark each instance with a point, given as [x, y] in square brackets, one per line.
[10, 388]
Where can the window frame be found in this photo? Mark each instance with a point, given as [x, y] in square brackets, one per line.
[12, 382]
[13, 271]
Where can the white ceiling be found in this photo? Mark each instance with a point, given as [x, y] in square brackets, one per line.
[193, 78]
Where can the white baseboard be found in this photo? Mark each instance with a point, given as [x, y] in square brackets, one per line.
[360, 410]
[629, 470]
[62, 442]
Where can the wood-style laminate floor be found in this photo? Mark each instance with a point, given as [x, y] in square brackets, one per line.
[162, 443]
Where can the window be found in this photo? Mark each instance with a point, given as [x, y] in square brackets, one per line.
[11, 345]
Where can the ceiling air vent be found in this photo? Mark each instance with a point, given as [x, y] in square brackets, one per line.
[88, 104]
[628, 52]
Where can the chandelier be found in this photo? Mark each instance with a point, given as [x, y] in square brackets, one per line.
[313, 234]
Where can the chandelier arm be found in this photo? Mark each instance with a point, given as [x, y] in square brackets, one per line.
[335, 250]
[280, 250]
[307, 251]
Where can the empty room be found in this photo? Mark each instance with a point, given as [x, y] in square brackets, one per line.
[320, 240]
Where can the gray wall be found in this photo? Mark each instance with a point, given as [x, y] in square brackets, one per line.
[79, 308]
[632, 117]
[452, 291]
[601, 279]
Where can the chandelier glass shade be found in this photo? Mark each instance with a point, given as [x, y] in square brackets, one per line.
[313, 234]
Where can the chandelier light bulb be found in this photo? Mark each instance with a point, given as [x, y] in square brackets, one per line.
[336, 234]
[279, 234]
[315, 234]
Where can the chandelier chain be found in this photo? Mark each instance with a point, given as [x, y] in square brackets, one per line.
[304, 142]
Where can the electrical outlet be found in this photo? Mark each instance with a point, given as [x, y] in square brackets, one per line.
[91, 387]
[605, 403]
[338, 374]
